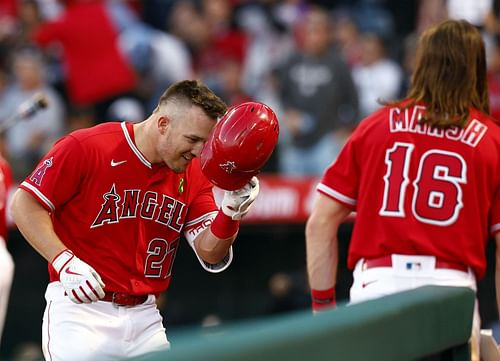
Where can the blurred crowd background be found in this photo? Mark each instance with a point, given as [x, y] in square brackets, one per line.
[321, 65]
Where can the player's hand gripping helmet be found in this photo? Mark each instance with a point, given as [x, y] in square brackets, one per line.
[240, 144]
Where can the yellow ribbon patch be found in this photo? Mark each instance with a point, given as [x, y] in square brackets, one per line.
[180, 189]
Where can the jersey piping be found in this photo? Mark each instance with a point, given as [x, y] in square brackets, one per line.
[334, 194]
[133, 146]
[40, 195]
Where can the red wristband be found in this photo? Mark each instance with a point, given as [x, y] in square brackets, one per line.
[323, 299]
[223, 226]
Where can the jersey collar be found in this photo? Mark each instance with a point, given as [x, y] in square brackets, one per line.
[128, 130]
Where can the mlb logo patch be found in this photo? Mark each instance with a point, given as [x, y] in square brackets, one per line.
[413, 266]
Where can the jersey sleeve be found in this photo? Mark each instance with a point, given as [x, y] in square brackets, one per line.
[56, 178]
[202, 212]
[341, 180]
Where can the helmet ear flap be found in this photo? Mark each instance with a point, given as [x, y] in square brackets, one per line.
[240, 144]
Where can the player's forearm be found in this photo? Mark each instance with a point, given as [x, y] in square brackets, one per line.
[322, 242]
[212, 249]
[213, 244]
[35, 224]
[322, 255]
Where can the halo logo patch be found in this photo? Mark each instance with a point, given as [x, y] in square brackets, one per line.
[228, 167]
[38, 174]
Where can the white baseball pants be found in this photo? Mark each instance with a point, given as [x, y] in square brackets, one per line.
[381, 281]
[99, 330]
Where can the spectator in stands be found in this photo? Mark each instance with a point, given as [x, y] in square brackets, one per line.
[429, 13]
[96, 68]
[347, 37]
[377, 77]
[290, 12]
[3, 90]
[213, 36]
[474, 11]
[230, 78]
[492, 20]
[408, 62]
[126, 108]
[269, 44]
[158, 57]
[80, 117]
[8, 14]
[494, 78]
[30, 18]
[29, 139]
[17, 25]
[319, 99]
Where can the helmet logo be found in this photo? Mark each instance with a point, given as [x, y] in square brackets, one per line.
[228, 167]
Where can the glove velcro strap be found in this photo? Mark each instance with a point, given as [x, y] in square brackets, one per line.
[223, 226]
[323, 299]
[62, 259]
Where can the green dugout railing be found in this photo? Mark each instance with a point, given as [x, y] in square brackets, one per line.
[405, 326]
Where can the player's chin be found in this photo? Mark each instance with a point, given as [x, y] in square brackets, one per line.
[181, 165]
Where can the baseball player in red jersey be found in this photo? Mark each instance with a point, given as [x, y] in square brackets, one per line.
[107, 207]
[423, 175]
[6, 262]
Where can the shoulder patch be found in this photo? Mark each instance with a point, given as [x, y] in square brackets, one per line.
[38, 174]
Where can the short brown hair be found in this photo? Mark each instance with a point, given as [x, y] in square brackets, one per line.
[196, 93]
[450, 74]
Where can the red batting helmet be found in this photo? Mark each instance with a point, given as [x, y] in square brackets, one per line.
[240, 144]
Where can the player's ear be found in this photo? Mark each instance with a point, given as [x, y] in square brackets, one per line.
[163, 123]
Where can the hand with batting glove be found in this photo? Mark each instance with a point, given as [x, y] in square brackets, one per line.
[236, 204]
[80, 281]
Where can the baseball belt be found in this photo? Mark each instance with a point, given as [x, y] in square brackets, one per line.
[124, 299]
[386, 261]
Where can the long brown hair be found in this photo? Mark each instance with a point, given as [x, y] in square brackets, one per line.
[450, 74]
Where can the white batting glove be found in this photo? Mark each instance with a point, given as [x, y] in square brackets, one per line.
[236, 204]
[80, 281]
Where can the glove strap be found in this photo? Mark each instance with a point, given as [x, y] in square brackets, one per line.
[223, 226]
[62, 259]
[323, 299]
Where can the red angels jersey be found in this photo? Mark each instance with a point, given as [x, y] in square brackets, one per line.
[5, 185]
[117, 211]
[419, 190]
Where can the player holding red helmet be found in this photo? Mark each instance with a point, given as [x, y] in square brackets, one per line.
[240, 145]
[107, 206]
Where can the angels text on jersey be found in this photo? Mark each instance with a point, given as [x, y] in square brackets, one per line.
[133, 203]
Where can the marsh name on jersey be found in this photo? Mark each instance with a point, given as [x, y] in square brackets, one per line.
[408, 120]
